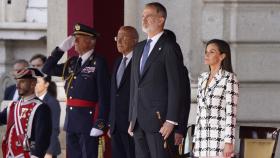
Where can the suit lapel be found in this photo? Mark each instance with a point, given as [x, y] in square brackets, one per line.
[137, 56]
[115, 71]
[203, 84]
[125, 74]
[215, 81]
[154, 53]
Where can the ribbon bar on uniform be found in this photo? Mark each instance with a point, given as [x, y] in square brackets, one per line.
[80, 103]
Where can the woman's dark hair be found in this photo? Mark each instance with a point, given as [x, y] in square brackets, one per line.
[39, 56]
[224, 48]
[52, 86]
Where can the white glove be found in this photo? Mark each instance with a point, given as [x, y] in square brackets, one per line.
[95, 132]
[67, 44]
[32, 156]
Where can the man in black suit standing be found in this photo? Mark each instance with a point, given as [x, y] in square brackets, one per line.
[122, 142]
[155, 86]
[181, 130]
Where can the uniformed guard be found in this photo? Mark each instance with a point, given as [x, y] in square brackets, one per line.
[87, 90]
[28, 120]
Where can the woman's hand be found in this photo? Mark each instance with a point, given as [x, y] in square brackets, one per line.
[228, 150]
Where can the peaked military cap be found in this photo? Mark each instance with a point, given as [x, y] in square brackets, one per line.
[85, 30]
[29, 73]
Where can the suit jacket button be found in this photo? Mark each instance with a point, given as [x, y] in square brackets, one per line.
[71, 108]
[75, 77]
[71, 87]
[117, 95]
[70, 97]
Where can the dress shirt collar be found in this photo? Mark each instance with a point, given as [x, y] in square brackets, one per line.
[42, 96]
[154, 41]
[128, 56]
[86, 56]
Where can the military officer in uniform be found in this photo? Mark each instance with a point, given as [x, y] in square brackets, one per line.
[28, 120]
[87, 88]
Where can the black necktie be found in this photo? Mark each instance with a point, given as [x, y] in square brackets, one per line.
[78, 64]
[121, 70]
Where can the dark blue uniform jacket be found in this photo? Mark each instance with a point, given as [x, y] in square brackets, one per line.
[90, 83]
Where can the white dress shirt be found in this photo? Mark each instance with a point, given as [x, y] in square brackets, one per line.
[86, 56]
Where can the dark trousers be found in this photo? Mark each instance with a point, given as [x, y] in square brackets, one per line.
[122, 145]
[148, 145]
[81, 146]
[174, 149]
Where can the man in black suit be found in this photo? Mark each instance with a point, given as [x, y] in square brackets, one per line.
[155, 86]
[122, 142]
[181, 130]
[11, 92]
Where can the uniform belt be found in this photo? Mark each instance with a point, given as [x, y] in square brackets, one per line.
[80, 103]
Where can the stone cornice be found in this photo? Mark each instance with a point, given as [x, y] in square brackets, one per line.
[22, 31]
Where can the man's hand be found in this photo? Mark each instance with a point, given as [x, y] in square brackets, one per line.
[32, 156]
[129, 131]
[67, 44]
[178, 138]
[48, 155]
[166, 129]
[228, 150]
[96, 132]
[108, 133]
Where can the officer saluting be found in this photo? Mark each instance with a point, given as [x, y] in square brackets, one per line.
[87, 90]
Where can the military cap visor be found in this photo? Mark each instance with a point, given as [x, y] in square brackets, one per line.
[81, 29]
[28, 73]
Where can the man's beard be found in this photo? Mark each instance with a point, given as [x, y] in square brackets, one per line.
[145, 29]
[23, 92]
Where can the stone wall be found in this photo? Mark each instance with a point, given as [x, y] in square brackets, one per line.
[23, 26]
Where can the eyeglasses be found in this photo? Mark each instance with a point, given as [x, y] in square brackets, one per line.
[124, 39]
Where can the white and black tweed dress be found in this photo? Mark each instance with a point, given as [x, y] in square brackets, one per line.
[216, 113]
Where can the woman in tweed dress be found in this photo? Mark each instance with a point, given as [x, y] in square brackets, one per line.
[217, 101]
